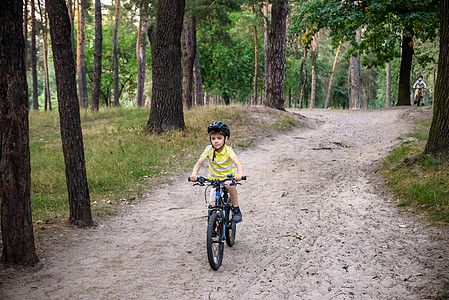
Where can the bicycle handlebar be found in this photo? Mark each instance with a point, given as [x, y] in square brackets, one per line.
[202, 179]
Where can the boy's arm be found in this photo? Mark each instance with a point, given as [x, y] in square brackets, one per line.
[237, 163]
[425, 85]
[196, 168]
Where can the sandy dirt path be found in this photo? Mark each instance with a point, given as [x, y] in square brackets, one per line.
[317, 224]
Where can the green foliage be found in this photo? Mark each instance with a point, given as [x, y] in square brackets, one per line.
[225, 30]
[127, 37]
[227, 64]
[383, 22]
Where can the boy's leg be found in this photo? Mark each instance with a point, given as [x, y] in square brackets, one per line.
[234, 197]
[236, 214]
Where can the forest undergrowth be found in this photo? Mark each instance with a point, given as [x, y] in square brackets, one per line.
[419, 181]
[122, 161]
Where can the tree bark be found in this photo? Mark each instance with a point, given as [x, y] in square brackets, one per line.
[165, 40]
[434, 80]
[47, 102]
[81, 57]
[33, 56]
[367, 97]
[303, 74]
[15, 180]
[115, 55]
[406, 67]
[25, 31]
[71, 10]
[96, 80]
[354, 102]
[266, 43]
[199, 92]
[331, 80]
[313, 55]
[141, 53]
[438, 142]
[388, 89]
[69, 115]
[188, 59]
[276, 57]
[256, 64]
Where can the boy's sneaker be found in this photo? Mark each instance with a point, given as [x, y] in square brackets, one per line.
[236, 215]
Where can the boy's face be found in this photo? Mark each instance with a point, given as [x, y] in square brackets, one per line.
[420, 78]
[217, 140]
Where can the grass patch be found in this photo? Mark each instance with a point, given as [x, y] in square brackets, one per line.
[122, 161]
[419, 181]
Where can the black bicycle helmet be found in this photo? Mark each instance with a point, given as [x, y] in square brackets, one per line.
[219, 126]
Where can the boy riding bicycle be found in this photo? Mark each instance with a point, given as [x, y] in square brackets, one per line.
[419, 87]
[220, 158]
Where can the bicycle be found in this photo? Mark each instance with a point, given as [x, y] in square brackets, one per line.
[220, 226]
[419, 98]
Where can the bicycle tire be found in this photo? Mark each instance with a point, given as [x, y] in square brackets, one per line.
[230, 231]
[214, 243]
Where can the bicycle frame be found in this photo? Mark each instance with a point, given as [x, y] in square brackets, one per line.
[222, 200]
[223, 206]
[220, 226]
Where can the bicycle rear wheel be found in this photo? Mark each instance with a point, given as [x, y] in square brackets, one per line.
[230, 231]
[214, 243]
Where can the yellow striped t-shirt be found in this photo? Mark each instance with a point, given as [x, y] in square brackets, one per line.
[221, 165]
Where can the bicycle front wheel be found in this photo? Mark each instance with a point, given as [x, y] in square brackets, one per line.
[215, 244]
[230, 231]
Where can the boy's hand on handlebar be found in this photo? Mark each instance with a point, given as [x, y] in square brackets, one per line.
[193, 178]
[238, 177]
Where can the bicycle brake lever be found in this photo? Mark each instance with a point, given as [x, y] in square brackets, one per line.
[200, 184]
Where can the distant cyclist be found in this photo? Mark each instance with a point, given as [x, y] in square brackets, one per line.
[419, 87]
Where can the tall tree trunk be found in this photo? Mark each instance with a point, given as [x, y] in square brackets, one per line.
[276, 57]
[25, 31]
[96, 80]
[406, 67]
[165, 40]
[71, 10]
[69, 114]
[141, 53]
[303, 74]
[188, 59]
[266, 42]
[289, 102]
[331, 80]
[33, 55]
[313, 55]
[44, 50]
[434, 84]
[81, 57]
[388, 89]
[367, 89]
[15, 180]
[199, 92]
[354, 102]
[256, 64]
[438, 142]
[115, 55]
